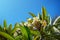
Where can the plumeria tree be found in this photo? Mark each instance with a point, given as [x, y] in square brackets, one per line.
[44, 25]
[38, 27]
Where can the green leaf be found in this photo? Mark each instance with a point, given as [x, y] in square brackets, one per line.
[39, 16]
[48, 19]
[6, 35]
[43, 13]
[35, 32]
[15, 28]
[29, 33]
[26, 33]
[18, 37]
[10, 29]
[33, 15]
[0, 28]
[36, 38]
[5, 25]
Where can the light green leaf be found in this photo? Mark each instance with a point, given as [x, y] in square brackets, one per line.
[6, 35]
[33, 15]
[5, 25]
[43, 13]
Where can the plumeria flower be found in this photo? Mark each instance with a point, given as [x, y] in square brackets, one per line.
[34, 28]
[44, 23]
[29, 25]
[36, 22]
[4, 28]
[29, 20]
[15, 34]
[26, 23]
[35, 18]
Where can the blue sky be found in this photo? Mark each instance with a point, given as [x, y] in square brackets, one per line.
[17, 10]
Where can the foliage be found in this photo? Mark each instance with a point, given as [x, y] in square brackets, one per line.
[36, 28]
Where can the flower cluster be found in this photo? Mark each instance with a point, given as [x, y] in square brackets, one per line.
[35, 22]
